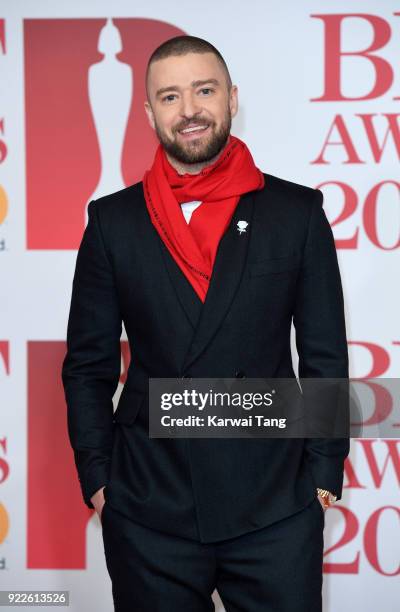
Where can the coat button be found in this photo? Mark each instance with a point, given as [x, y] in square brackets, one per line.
[239, 374]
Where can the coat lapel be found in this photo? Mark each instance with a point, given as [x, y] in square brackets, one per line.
[187, 296]
[227, 272]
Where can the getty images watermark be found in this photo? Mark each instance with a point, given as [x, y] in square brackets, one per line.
[273, 408]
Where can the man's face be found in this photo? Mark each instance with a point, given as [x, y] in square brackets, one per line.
[190, 106]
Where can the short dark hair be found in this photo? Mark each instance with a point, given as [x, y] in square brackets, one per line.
[181, 45]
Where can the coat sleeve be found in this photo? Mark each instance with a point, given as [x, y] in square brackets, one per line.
[92, 364]
[321, 341]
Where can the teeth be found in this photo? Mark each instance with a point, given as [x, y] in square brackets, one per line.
[194, 129]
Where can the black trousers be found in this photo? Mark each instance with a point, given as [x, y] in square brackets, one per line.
[277, 568]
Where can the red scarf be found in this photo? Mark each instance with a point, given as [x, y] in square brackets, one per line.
[219, 187]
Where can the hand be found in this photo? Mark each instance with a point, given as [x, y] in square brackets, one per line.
[98, 501]
[321, 502]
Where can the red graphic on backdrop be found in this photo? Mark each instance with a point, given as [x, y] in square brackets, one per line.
[369, 220]
[56, 514]
[352, 526]
[340, 129]
[2, 36]
[63, 146]
[335, 54]
[5, 355]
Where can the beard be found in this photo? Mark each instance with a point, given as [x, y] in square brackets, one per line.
[200, 150]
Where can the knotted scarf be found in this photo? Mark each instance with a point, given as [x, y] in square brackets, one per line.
[218, 186]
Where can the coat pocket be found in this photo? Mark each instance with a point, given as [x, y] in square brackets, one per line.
[128, 406]
[275, 265]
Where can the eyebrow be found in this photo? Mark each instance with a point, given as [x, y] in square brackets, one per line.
[193, 84]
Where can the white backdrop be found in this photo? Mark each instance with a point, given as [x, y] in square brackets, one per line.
[319, 90]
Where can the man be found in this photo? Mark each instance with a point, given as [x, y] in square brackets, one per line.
[199, 298]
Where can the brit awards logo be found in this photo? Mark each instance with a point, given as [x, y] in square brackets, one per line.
[87, 134]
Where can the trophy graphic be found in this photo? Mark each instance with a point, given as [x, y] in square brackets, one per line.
[110, 88]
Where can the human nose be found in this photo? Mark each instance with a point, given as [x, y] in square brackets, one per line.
[189, 106]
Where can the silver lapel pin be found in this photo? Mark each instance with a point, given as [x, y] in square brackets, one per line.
[241, 225]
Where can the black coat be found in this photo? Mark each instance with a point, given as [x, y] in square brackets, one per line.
[283, 267]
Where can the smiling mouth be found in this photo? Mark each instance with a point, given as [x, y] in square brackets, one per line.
[194, 129]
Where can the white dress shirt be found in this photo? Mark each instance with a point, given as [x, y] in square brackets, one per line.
[188, 208]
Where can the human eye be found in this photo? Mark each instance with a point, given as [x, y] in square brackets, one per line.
[168, 98]
[206, 91]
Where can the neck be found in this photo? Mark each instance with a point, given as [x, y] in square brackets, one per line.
[182, 168]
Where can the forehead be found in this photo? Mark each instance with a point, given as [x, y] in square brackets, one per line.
[181, 70]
